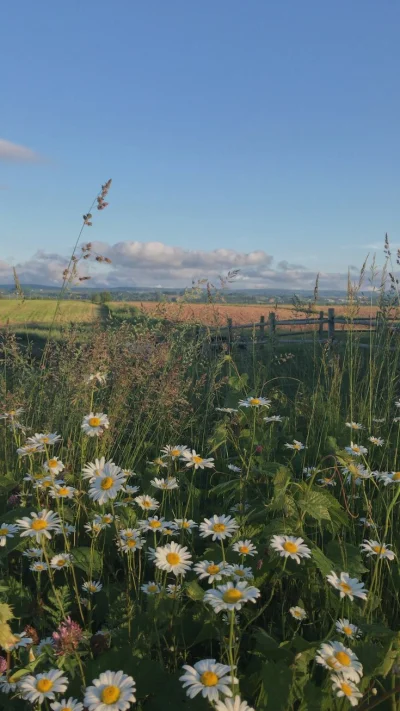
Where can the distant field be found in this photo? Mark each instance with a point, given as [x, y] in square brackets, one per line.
[38, 311]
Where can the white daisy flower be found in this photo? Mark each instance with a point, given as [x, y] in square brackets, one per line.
[173, 558]
[231, 596]
[378, 419]
[356, 473]
[184, 524]
[47, 438]
[397, 403]
[245, 547]
[112, 691]
[158, 462]
[254, 402]
[66, 529]
[54, 465]
[356, 449]
[174, 451]
[43, 686]
[240, 572]
[131, 489]
[390, 478]
[395, 419]
[147, 503]
[94, 424]
[166, 484]
[174, 590]
[228, 410]
[327, 481]
[151, 588]
[375, 548]
[235, 704]
[219, 527]
[7, 530]
[48, 483]
[367, 522]
[378, 441]
[347, 586]
[106, 486]
[290, 547]
[20, 640]
[192, 459]
[240, 508]
[208, 678]
[335, 657]
[94, 469]
[92, 587]
[70, 704]
[97, 378]
[105, 519]
[62, 560]
[345, 688]
[214, 571]
[61, 491]
[234, 468]
[296, 446]
[130, 543]
[12, 414]
[344, 626]
[154, 523]
[94, 527]
[355, 425]
[38, 567]
[33, 553]
[27, 450]
[44, 644]
[298, 613]
[309, 471]
[39, 525]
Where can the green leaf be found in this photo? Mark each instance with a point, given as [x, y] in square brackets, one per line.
[87, 560]
[225, 487]
[276, 683]
[324, 564]
[194, 591]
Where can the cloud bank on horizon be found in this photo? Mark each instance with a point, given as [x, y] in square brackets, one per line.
[151, 264]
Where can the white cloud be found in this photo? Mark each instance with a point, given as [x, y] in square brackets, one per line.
[14, 153]
[148, 264]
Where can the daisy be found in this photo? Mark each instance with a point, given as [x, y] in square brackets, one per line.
[28, 449]
[166, 484]
[106, 486]
[376, 548]
[345, 688]
[105, 519]
[208, 678]
[7, 530]
[309, 471]
[151, 588]
[344, 626]
[377, 440]
[378, 419]
[327, 481]
[44, 645]
[367, 522]
[334, 656]
[39, 525]
[390, 478]
[184, 524]
[47, 483]
[173, 558]
[131, 543]
[171, 532]
[54, 465]
[241, 573]
[67, 705]
[214, 571]
[356, 473]
[254, 402]
[20, 640]
[130, 489]
[174, 590]
[61, 491]
[66, 529]
[12, 414]
[112, 691]
[174, 451]
[38, 567]
[193, 459]
[158, 462]
[6, 686]
[355, 425]
[290, 547]
[297, 446]
[92, 587]
[147, 503]
[240, 507]
[98, 377]
[228, 410]
[245, 548]
[94, 527]
[43, 686]
[219, 527]
[298, 613]
[356, 449]
[94, 469]
[63, 560]
[153, 523]
[347, 586]
[94, 424]
[231, 596]
[33, 553]
[48, 439]
[234, 468]
[235, 704]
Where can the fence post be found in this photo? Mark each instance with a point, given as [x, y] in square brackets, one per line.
[272, 323]
[321, 326]
[230, 335]
[331, 323]
[262, 328]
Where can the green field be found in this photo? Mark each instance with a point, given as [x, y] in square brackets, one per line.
[38, 311]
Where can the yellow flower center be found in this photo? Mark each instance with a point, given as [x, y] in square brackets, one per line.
[146, 504]
[60, 562]
[155, 524]
[379, 549]
[12, 413]
[110, 694]
[347, 630]
[290, 547]
[239, 572]
[396, 476]
[173, 558]
[355, 448]
[209, 678]
[52, 463]
[45, 440]
[39, 524]
[244, 550]
[232, 595]
[254, 401]
[94, 421]
[92, 588]
[107, 483]
[213, 569]
[346, 688]
[297, 613]
[185, 524]
[3, 531]
[131, 543]
[44, 685]
[47, 483]
[128, 534]
[219, 527]
[152, 588]
[345, 587]
[175, 452]
[343, 659]
[297, 446]
[63, 491]
[197, 459]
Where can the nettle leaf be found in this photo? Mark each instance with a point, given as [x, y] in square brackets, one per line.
[194, 591]
[346, 557]
[276, 682]
[324, 564]
[238, 382]
[313, 504]
[86, 560]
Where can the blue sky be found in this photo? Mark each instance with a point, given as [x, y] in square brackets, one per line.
[259, 127]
